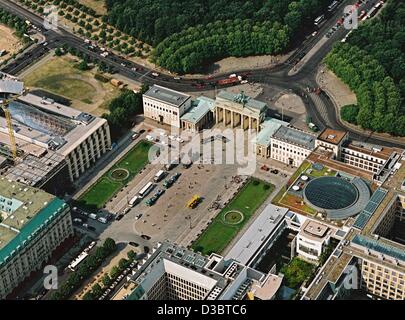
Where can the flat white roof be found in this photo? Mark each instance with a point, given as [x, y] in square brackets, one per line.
[167, 95]
[257, 234]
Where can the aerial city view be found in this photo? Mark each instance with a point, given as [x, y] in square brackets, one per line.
[202, 150]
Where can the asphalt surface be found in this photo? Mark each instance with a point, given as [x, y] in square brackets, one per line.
[320, 108]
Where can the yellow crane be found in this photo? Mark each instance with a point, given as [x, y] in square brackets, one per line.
[13, 146]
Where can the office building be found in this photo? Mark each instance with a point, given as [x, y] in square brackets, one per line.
[49, 136]
[171, 272]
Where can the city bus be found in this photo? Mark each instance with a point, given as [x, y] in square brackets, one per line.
[146, 189]
[333, 6]
[319, 20]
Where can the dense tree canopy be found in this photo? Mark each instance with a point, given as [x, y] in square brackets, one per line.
[372, 63]
[189, 33]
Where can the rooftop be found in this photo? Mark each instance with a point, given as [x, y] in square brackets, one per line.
[24, 210]
[166, 95]
[257, 234]
[379, 246]
[369, 149]
[10, 84]
[243, 100]
[199, 108]
[269, 127]
[332, 136]
[296, 137]
[315, 229]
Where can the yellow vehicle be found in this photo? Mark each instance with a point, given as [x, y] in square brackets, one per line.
[194, 202]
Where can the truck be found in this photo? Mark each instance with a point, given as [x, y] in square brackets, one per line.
[135, 200]
[224, 82]
[159, 176]
[313, 127]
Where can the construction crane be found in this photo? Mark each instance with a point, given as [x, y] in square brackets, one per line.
[4, 105]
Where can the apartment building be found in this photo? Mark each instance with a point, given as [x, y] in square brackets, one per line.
[291, 146]
[34, 223]
[165, 105]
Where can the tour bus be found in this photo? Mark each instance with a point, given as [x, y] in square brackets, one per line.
[135, 200]
[333, 6]
[146, 189]
[372, 12]
[319, 20]
[159, 176]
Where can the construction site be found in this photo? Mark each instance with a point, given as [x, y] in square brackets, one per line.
[42, 141]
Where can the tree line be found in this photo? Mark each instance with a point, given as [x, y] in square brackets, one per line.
[188, 51]
[372, 63]
[84, 271]
[13, 22]
[190, 33]
[123, 109]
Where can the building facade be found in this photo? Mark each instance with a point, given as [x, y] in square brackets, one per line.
[34, 224]
[239, 111]
[312, 239]
[332, 140]
[291, 146]
[165, 105]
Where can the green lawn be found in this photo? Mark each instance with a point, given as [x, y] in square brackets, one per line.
[105, 187]
[219, 234]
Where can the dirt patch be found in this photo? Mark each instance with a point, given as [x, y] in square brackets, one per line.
[291, 103]
[340, 92]
[96, 5]
[8, 42]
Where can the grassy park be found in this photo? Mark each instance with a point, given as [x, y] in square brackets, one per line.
[233, 217]
[60, 76]
[115, 178]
